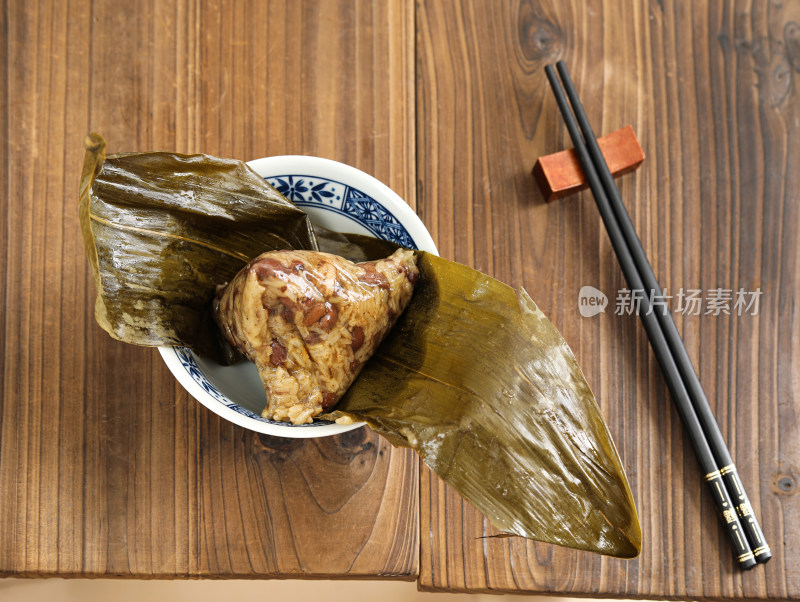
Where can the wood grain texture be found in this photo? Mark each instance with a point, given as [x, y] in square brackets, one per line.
[713, 92]
[107, 466]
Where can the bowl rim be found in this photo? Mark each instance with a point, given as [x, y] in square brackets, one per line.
[333, 170]
[269, 167]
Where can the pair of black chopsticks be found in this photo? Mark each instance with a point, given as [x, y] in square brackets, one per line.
[687, 392]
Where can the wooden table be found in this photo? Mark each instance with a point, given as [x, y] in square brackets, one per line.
[107, 466]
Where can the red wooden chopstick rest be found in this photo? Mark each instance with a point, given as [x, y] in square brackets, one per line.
[560, 174]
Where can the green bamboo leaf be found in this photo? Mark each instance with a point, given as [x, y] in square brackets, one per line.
[485, 389]
[355, 247]
[162, 230]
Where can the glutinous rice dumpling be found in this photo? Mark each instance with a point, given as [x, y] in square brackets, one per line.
[309, 320]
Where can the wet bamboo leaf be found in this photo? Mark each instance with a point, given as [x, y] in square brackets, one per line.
[355, 247]
[162, 230]
[485, 389]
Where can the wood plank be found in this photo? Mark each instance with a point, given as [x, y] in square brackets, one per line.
[107, 467]
[712, 92]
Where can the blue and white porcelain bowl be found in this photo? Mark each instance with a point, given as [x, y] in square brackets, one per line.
[338, 197]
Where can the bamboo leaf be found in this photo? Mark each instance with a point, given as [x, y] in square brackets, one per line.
[485, 389]
[162, 230]
[355, 247]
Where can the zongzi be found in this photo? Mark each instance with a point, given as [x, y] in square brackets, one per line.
[309, 320]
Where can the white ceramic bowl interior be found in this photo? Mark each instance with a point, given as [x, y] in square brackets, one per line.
[338, 197]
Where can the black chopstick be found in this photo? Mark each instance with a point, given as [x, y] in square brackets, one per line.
[697, 395]
[657, 339]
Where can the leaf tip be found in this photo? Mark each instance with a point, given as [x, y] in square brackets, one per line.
[94, 142]
[628, 544]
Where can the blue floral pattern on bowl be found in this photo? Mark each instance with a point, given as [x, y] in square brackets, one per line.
[307, 191]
